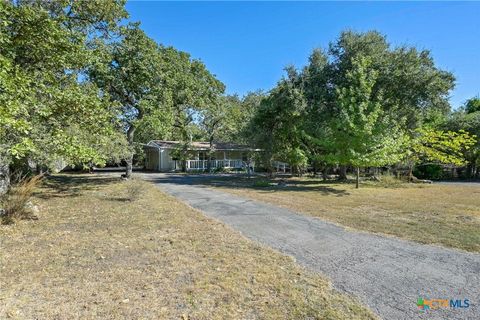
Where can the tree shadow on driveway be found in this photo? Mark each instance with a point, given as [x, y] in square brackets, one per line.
[240, 181]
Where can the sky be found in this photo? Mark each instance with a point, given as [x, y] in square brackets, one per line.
[248, 44]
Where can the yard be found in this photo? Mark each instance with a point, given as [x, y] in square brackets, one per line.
[443, 214]
[93, 253]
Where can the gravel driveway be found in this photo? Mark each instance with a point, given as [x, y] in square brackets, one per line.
[387, 274]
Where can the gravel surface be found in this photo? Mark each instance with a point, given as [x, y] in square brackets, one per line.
[385, 273]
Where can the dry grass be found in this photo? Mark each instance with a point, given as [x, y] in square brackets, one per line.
[134, 189]
[93, 255]
[17, 201]
[448, 215]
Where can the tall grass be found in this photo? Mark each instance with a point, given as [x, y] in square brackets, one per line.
[16, 203]
[134, 189]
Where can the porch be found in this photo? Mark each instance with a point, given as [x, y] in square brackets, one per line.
[214, 164]
[167, 156]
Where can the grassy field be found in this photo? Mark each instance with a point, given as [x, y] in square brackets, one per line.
[448, 215]
[93, 253]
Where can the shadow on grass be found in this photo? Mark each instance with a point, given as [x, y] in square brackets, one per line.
[240, 181]
[119, 199]
[70, 185]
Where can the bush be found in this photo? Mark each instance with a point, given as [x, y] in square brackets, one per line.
[16, 203]
[134, 189]
[384, 181]
[389, 180]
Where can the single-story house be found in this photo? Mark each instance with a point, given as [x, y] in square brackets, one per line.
[163, 155]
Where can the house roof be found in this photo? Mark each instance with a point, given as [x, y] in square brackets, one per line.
[200, 145]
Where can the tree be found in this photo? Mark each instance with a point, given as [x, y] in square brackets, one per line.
[214, 120]
[133, 78]
[277, 125]
[408, 92]
[228, 119]
[362, 134]
[469, 122]
[410, 84]
[438, 146]
[160, 89]
[472, 105]
[315, 83]
[44, 97]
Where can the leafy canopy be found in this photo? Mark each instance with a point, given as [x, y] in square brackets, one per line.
[49, 109]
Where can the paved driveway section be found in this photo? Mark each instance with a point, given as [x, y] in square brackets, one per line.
[387, 274]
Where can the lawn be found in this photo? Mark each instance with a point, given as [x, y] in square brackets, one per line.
[93, 253]
[447, 215]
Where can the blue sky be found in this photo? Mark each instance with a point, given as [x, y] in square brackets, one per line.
[247, 44]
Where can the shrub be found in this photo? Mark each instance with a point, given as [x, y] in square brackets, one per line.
[134, 189]
[389, 180]
[384, 181]
[17, 203]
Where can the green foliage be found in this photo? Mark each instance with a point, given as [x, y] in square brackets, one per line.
[277, 127]
[297, 159]
[472, 105]
[470, 122]
[132, 75]
[362, 134]
[359, 103]
[159, 89]
[78, 86]
[49, 111]
[228, 119]
[192, 88]
[411, 85]
[438, 146]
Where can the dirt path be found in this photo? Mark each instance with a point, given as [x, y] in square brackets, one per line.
[387, 274]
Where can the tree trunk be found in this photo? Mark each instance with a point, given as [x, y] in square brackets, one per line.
[410, 173]
[470, 170]
[343, 173]
[129, 167]
[129, 160]
[324, 173]
[357, 178]
[454, 172]
[209, 157]
[4, 176]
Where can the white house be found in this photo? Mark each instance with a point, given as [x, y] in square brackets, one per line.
[163, 155]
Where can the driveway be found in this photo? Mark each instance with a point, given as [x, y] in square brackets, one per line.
[387, 274]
